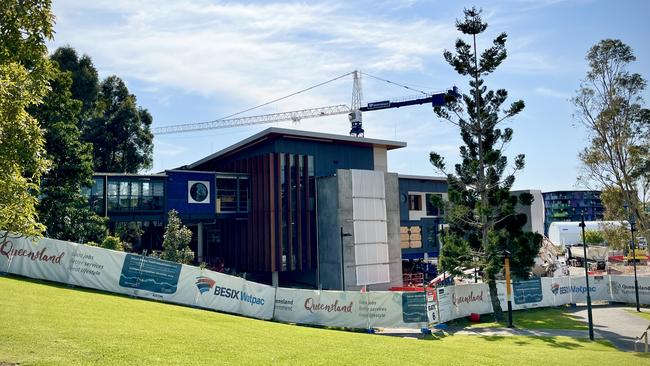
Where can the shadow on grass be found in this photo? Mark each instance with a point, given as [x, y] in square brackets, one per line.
[542, 318]
[552, 341]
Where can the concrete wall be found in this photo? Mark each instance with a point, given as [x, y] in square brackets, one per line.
[392, 215]
[380, 158]
[334, 213]
[329, 247]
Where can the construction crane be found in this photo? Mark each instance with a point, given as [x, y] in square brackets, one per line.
[354, 112]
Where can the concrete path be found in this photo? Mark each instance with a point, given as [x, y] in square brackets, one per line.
[611, 322]
[616, 324]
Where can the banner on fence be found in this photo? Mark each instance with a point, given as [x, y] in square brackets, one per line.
[350, 309]
[622, 289]
[460, 301]
[152, 278]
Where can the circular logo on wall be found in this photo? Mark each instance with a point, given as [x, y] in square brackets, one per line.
[199, 192]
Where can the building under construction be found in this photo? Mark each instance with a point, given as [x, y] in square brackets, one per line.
[288, 207]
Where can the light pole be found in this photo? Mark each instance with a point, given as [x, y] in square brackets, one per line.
[508, 290]
[636, 283]
[342, 261]
[475, 259]
[584, 247]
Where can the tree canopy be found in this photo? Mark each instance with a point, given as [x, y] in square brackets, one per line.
[62, 207]
[120, 131]
[481, 210]
[24, 71]
[177, 237]
[609, 105]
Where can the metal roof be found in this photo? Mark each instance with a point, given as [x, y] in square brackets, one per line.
[422, 177]
[274, 133]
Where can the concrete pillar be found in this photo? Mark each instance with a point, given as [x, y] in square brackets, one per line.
[199, 246]
[275, 279]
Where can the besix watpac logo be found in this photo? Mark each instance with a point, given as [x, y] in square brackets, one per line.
[556, 289]
[206, 284]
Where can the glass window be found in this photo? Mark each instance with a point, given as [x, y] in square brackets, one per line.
[226, 194]
[415, 202]
[432, 209]
[146, 188]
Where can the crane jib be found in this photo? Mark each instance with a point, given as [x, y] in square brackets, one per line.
[435, 100]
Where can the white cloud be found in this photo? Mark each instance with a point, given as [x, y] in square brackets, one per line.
[552, 93]
[249, 53]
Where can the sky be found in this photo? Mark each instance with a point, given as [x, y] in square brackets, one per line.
[198, 60]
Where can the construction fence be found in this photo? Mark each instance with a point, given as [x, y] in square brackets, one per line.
[152, 278]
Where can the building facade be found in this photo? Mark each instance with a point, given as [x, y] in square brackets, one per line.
[266, 208]
[420, 219]
[569, 205]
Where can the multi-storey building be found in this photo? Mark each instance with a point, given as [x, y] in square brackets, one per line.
[569, 205]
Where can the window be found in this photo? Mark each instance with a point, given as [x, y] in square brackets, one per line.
[135, 194]
[232, 194]
[95, 195]
[432, 209]
[415, 202]
[226, 194]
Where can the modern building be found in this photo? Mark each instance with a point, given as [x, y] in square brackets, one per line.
[420, 218]
[569, 205]
[287, 207]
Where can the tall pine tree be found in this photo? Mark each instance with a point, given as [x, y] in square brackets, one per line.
[481, 210]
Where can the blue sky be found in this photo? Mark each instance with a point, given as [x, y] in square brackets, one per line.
[198, 60]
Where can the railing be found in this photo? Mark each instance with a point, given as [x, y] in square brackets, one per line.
[644, 337]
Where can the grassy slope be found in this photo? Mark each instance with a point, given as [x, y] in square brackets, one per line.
[548, 318]
[50, 324]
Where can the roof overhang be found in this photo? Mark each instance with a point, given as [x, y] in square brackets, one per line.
[276, 133]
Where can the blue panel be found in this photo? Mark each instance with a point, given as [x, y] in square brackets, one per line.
[416, 185]
[150, 274]
[328, 156]
[178, 194]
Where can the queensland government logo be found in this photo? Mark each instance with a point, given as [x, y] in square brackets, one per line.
[204, 284]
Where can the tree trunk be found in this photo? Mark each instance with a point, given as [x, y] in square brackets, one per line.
[496, 304]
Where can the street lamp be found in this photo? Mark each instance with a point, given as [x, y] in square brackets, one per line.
[584, 247]
[342, 262]
[636, 283]
[508, 290]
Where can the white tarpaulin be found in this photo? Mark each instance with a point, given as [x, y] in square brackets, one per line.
[214, 290]
[622, 289]
[46, 259]
[135, 275]
[148, 277]
[370, 228]
[460, 301]
[350, 309]
[598, 289]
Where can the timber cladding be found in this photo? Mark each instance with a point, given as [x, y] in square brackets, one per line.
[279, 233]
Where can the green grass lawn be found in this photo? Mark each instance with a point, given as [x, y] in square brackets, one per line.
[547, 318]
[43, 323]
[645, 313]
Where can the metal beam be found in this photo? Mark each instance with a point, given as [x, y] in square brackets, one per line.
[254, 120]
